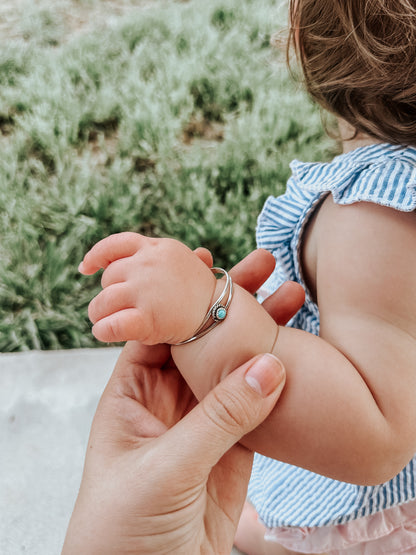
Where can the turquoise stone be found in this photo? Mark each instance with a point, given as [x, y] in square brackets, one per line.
[221, 313]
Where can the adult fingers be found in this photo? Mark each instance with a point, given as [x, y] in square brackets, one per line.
[233, 408]
[137, 354]
[251, 272]
[285, 302]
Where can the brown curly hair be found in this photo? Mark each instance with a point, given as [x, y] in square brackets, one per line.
[359, 62]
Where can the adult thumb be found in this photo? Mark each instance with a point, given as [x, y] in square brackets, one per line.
[232, 409]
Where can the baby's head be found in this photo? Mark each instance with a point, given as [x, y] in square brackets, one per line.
[359, 62]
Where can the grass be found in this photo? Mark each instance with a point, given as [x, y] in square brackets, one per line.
[176, 121]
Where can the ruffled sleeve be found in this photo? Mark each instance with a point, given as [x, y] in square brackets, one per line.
[276, 228]
[391, 184]
[382, 174]
[280, 215]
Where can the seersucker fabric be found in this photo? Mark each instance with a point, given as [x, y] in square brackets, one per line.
[285, 495]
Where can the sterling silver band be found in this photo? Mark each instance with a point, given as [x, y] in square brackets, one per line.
[218, 311]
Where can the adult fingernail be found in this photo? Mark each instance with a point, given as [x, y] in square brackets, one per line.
[265, 375]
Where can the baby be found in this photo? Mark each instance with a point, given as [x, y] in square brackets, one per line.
[336, 469]
[348, 410]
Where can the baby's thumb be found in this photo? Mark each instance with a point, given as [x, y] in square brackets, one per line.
[231, 410]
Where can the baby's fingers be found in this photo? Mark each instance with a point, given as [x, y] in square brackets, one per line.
[116, 272]
[111, 299]
[113, 247]
[125, 325]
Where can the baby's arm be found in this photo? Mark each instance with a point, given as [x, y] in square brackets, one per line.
[348, 409]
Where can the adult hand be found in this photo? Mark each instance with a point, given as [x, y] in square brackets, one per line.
[160, 477]
[161, 474]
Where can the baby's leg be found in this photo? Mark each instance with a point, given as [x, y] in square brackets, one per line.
[250, 536]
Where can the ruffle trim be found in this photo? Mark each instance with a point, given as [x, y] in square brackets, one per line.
[386, 532]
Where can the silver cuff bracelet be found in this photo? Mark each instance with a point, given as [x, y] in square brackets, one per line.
[218, 311]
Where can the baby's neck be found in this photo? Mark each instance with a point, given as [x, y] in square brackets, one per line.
[348, 144]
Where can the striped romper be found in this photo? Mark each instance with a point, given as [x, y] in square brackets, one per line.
[283, 495]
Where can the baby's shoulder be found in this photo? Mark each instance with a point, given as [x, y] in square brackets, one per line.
[366, 261]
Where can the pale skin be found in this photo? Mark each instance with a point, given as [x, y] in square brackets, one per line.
[359, 263]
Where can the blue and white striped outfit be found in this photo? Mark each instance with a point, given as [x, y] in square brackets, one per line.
[286, 495]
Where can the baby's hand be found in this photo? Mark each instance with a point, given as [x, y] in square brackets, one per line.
[154, 290]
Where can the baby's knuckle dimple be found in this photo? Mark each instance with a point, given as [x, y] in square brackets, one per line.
[172, 246]
[113, 328]
[144, 325]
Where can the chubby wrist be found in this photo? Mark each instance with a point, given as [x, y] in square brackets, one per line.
[218, 307]
[247, 330]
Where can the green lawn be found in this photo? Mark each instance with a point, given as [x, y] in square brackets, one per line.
[178, 120]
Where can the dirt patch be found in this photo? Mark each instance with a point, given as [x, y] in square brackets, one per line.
[23, 19]
[202, 129]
